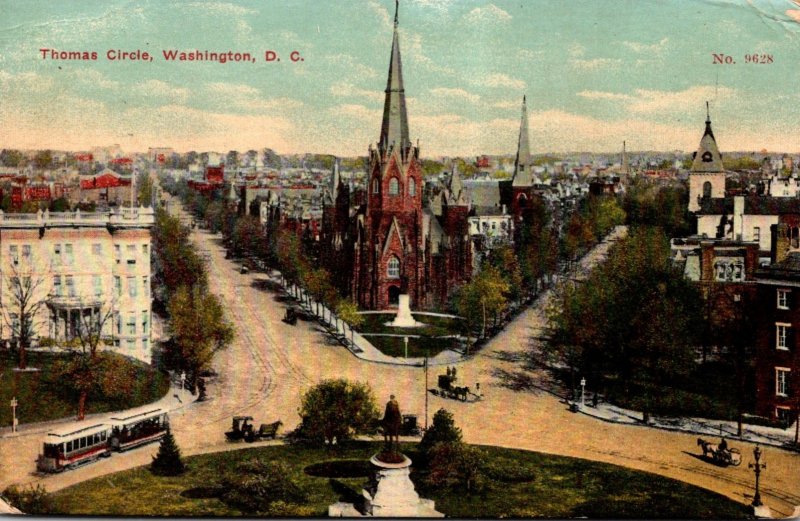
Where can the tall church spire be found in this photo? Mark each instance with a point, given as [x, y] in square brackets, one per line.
[707, 158]
[522, 165]
[394, 130]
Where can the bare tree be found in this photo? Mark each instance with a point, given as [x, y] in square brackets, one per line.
[23, 300]
[86, 368]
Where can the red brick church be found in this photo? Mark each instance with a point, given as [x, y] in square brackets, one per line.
[394, 244]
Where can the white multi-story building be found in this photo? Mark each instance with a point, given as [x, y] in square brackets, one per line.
[82, 266]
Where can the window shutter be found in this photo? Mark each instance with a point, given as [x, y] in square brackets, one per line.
[790, 338]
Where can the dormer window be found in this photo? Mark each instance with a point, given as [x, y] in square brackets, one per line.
[394, 186]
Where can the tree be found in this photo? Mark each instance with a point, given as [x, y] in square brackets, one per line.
[43, 159]
[86, 369]
[167, 462]
[199, 331]
[347, 311]
[335, 410]
[248, 235]
[60, 205]
[145, 185]
[633, 323]
[442, 430]
[456, 465]
[506, 262]
[11, 157]
[486, 294]
[24, 299]
[31, 500]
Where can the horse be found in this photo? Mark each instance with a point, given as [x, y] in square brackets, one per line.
[708, 447]
[461, 393]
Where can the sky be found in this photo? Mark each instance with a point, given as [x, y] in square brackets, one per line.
[595, 74]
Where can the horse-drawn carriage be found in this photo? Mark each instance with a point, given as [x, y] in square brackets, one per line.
[447, 389]
[291, 316]
[720, 453]
[242, 429]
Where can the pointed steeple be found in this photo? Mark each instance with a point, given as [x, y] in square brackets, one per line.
[626, 166]
[455, 189]
[707, 158]
[522, 165]
[335, 180]
[394, 130]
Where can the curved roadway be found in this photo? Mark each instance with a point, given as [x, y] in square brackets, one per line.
[270, 364]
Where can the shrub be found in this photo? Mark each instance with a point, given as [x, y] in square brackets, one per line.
[168, 460]
[29, 500]
[259, 487]
[456, 465]
[337, 409]
[442, 430]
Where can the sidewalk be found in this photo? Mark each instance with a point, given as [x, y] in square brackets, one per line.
[174, 400]
[783, 438]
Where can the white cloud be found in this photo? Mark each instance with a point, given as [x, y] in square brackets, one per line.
[94, 78]
[576, 50]
[355, 111]
[507, 105]
[461, 94]
[162, 90]
[236, 89]
[439, 5]
[594, 94]
[594, 63]
[413, 49]
[499, 80]
[489, 14]
[381, 11]
[353, 66]
[348, 90]
[644, 48]
[221, 8]
[644, 101]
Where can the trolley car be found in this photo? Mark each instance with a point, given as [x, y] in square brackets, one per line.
[73, 446]
[82, 443]
[137, 429]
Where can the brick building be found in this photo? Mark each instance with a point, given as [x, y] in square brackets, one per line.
[778, 311]
[394, 244]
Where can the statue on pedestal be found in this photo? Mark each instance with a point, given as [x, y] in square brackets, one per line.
[392, 420]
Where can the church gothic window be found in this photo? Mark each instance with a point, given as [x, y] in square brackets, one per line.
[412, 187]
[394, 186]
[706, 189]
[393, 271]
[375, 186]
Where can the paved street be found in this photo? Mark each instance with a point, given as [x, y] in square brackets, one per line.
[270, 364]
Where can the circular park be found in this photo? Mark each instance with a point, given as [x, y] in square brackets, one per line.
[298, 480]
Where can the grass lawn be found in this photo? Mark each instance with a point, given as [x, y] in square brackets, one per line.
[40, 397]
[431, 336]
[518, 484]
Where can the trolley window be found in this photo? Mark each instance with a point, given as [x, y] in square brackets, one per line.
[69, 446]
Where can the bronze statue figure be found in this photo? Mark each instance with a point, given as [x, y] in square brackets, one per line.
[392, 420]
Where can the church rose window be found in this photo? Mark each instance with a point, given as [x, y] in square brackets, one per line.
[393, 270]
[412, 187]
[394, 186]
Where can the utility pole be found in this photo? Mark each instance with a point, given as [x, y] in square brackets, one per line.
[14, 421]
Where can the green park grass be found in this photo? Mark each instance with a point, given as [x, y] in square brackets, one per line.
[41, 397]
[433, 338]
[516, 484]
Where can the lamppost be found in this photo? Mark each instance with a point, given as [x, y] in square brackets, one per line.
[14, 404]
[183, 380]
[405, 343]
[583, 392]
[757, 466]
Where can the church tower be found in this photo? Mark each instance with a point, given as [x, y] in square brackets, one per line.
[707, 175]
[522, 181]
[390, 259]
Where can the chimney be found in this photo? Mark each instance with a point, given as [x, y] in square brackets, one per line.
[780, 242]
[738, 217]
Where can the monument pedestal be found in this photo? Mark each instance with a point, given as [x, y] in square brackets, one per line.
[761, 512]
[404, 317]
[391, 494]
